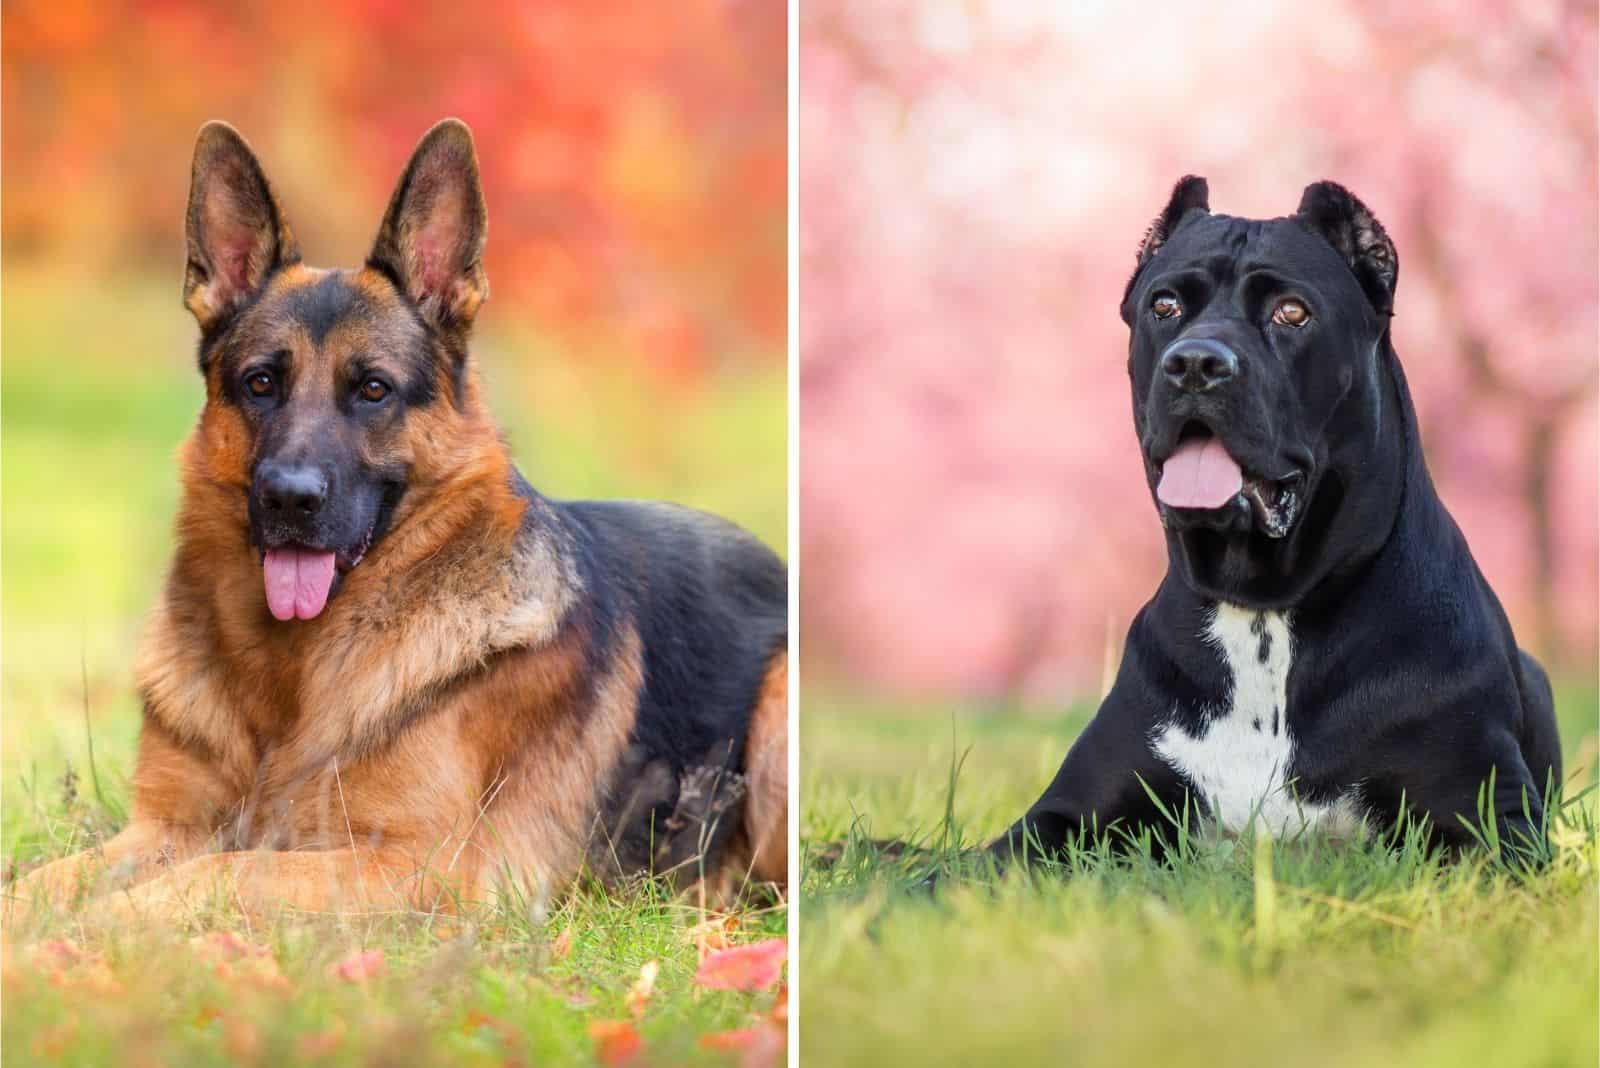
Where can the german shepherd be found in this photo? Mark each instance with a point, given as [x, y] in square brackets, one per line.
[385, 672]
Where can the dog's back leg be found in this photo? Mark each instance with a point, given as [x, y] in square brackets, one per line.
[1539, 738]
[766, 761]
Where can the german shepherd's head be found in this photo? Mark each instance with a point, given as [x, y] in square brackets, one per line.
[334, 398]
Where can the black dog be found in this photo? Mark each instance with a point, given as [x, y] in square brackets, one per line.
[1323, 651]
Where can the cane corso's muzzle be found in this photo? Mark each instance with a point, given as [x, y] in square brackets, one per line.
[1217, 442]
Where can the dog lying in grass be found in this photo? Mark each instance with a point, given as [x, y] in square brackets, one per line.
[387, 673]
[1323, 652]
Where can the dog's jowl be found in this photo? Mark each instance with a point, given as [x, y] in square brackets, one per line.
[1323, 652]
[384, 670]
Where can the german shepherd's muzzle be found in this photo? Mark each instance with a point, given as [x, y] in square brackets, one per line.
[316, 504]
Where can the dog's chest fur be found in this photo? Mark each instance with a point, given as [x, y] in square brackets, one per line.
[1242, 758]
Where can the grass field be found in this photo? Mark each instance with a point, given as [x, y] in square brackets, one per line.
[95, 400]
[1239, 953]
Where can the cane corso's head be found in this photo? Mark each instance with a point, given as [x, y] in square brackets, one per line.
[330, 393]
[1258, 356]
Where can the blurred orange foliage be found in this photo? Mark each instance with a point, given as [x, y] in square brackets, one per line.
[634, 156]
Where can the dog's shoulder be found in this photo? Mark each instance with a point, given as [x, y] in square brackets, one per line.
[648, 543]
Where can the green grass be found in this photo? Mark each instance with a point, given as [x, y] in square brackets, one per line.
[97, 390]
[1240, 952]
[492, 991]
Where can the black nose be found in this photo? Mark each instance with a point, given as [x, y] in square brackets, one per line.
[1195, 365]
[292, 488]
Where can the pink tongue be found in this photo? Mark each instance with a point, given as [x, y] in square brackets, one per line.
[298, 581]
[1200, 474]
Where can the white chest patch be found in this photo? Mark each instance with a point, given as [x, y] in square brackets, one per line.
[1241, 761]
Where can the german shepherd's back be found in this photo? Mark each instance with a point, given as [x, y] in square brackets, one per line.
[385, 671]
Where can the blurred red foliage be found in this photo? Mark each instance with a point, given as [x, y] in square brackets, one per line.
[633, 155]
[974, 181]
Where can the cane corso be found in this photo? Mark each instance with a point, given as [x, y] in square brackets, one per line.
[1323, 651]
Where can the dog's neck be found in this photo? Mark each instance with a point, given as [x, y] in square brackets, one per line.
[1365, 522]
[1351, 513]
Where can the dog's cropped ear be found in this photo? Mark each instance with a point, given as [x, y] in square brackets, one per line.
[1191, 194]
[237, 234]
[1335, 213]
[431, 240]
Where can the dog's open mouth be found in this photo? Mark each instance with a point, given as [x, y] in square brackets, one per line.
[1200, 476]
[299, 579]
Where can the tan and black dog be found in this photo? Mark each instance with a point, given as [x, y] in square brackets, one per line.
[384, 671]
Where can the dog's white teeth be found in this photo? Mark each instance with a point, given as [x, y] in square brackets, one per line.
[1273, 515]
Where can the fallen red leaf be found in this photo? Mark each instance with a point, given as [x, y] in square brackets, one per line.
[56, 953]
[615, 1041]
[639, 994]
[66, 964]
[226, 946]
[562, 945]
[359, 967]
[748, 968]
[758, 1047]
[237, 959]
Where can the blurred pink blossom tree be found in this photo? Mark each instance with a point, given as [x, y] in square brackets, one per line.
[974, 181]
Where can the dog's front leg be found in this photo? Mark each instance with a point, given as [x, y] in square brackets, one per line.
[344, 881]
[180, 798]
[1110, 776]
[141, 851]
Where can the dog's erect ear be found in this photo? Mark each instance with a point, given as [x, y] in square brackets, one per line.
[431, 240]
[1190, 194]
[1356, 234]
[236, 232]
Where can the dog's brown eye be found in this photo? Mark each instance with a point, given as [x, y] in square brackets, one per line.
[1291, 313]
[374, 390]
[1166, 306]
[259, 383]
